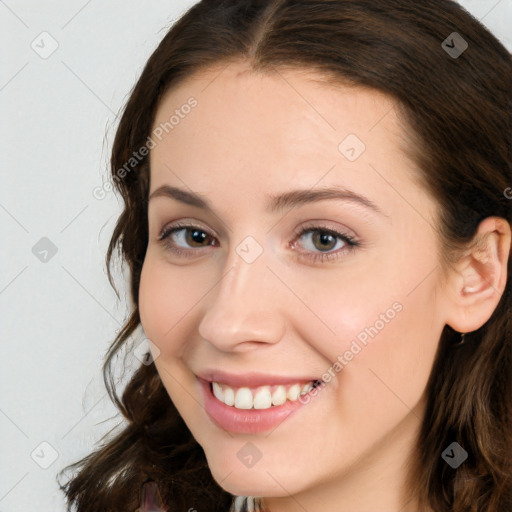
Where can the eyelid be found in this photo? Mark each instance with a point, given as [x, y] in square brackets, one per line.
[326, 226]
[172, 226]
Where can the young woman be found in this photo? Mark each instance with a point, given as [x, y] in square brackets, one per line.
[317, 209]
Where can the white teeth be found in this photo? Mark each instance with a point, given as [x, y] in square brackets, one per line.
[217, 391]
[306, 388]
[243, 399]
[279, 396]
[263, 398]
[229, 396]
[294, 392]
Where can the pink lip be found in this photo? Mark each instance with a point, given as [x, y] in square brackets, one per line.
[248, 421]
[251, 379]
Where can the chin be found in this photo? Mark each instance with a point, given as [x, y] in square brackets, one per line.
[252, 482]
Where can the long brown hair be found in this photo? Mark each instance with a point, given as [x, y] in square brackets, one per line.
[459, 110]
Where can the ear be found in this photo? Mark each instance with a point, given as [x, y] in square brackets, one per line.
[478, 279]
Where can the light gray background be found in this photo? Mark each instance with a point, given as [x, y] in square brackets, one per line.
[58, 317]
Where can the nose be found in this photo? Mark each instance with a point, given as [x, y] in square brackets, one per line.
[244, 310]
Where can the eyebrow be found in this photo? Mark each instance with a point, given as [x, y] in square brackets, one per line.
[275, 203]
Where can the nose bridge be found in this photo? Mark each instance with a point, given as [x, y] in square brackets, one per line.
[243, 307]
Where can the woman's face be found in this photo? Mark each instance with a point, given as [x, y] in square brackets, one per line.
[244, 292]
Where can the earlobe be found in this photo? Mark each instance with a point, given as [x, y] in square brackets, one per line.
[480, 276]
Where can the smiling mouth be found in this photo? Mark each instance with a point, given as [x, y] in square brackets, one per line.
[261, 397]
[246, 410]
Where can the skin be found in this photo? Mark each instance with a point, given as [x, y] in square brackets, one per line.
[252, 135]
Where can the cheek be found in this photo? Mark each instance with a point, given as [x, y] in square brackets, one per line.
[389, 360]
[167, 296]
[343, 307]
[377, 337]
[171, 303]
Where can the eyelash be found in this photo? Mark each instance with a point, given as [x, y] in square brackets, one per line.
[350, 242]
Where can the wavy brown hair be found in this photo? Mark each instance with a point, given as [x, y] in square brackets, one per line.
[459, 112]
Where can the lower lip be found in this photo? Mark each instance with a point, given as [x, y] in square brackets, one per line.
[247, 421]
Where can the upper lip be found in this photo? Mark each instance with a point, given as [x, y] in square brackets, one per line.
[251, 379]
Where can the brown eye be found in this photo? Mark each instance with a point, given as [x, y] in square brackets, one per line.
[182, 239]
[325, 240]
[320, 242]
[194, 237]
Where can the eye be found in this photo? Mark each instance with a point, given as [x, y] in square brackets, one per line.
[189, 234]
[324, 239]
[181, 238]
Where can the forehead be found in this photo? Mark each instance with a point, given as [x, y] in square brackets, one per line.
[264, 130]
[292, 103]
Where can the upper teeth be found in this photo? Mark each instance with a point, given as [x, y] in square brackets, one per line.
[259, 398]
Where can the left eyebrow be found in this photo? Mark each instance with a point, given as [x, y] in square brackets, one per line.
[274, 203]
[298, 197]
